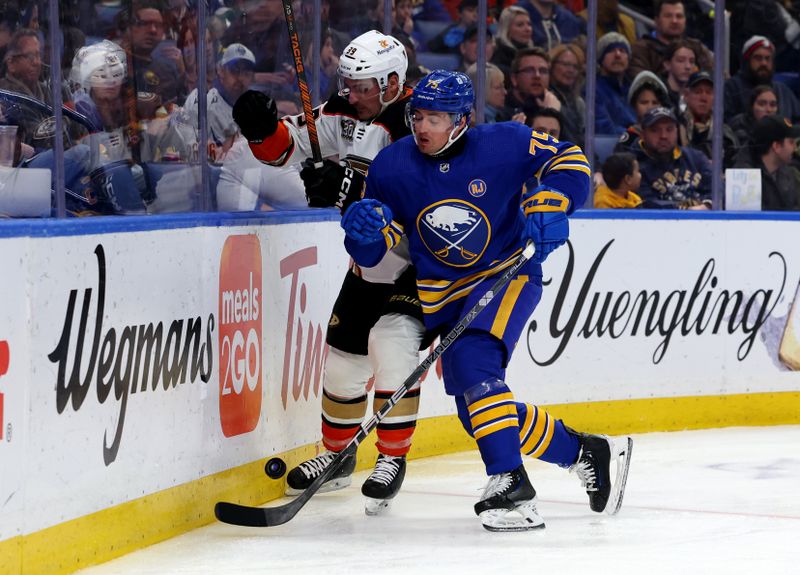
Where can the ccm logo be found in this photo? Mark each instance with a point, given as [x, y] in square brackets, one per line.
[240, 305]
[5, 357]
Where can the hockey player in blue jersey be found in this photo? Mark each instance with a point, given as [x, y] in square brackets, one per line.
[457, 194]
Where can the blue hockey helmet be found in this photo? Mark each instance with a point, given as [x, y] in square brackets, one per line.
[443, 91]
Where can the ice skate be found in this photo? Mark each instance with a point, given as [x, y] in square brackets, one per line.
[593, 468]
[509, 503]
[304, 474]
[383, 483]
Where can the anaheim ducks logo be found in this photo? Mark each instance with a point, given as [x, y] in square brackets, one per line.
[454, 231]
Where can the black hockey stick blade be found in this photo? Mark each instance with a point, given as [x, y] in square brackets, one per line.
[247, 516]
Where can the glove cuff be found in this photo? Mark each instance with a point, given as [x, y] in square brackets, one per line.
[274, 149]
[545, 201]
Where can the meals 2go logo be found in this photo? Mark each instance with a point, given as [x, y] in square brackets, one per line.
[240, 305]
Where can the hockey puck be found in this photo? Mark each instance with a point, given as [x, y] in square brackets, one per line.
[275, 468]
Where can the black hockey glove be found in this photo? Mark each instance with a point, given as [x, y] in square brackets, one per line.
[256, 115]
[331, 184]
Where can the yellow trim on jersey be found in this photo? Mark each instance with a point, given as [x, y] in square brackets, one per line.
[494, 427]
[507, 306]
[573, 154]
[435, 294]
[545, 201]
[489, 401]
[392, 234]
[526, 427]
[536, 434]
[504, 410]
[548, 436]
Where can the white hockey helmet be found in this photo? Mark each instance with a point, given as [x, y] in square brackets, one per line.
[101, 65]
[374, 55]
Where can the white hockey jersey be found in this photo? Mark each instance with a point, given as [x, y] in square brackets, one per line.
[356, 143]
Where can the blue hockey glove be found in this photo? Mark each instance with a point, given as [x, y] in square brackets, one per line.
[546, 222]
[364, 220]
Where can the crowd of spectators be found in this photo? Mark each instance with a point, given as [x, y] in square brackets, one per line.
[130, 71]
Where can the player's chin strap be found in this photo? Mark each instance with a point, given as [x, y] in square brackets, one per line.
[384, 104]
[451, 139]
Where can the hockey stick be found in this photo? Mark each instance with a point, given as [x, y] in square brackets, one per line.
[302, 83]
[244, 515]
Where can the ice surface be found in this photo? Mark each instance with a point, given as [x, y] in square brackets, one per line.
[697, 502]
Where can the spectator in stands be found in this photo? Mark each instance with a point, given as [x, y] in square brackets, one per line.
[513, 34]
[547, 121]
[622, 178]
[774, 143]
[697, 127]
[235, 74]
[670, 22]
[495, 109]
[612, 113]
[141, 32]
[679, 63]
[530, 82]
[763, 102]
[610, 19]
[647, 91]
[449, 39]
[469, 48]
[778, 20]
[552, 23]
[672, 176]
[758, 66]
[262, 28]
[567, 70]
[23, 69]
[567, 67]
[23, 65]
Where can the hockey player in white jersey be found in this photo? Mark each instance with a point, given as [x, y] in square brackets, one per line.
[376, 323]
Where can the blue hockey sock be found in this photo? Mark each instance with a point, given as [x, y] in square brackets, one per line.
[492, 416]
[544, 437]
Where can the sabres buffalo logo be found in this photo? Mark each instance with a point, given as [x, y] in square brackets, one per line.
[454, 231]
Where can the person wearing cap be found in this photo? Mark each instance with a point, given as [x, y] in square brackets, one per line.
[552, 23]
[758, 67]
[235, 73]
[469, 48]
[696, 129]
[672, 176]
[772, 151]
[670, 25]
[647, 91]
[449, 39]
[612, 113]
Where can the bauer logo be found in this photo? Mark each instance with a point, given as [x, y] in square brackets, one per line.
[240, 369]
[5, 357]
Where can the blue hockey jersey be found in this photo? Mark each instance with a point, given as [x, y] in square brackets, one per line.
[462, 214]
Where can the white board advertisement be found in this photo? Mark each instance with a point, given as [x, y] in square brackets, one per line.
[13, 386]
[155, 358]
